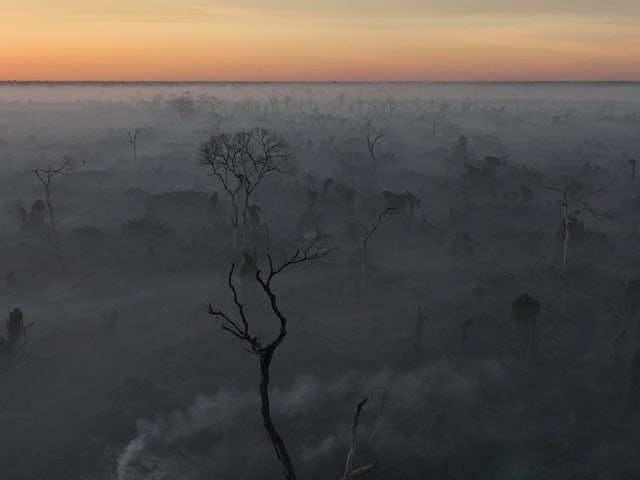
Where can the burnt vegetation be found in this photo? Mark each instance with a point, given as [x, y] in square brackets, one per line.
[231, 291]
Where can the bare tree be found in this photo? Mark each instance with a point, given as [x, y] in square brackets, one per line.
[46, 176]
[371, 146]
[369, 231]
[569, 218]
[241, 329]
[133, 139]
[569, 221]
[240, 162]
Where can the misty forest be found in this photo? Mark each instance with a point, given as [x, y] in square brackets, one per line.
[388, 281]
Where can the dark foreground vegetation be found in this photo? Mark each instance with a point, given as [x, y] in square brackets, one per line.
[320, 281]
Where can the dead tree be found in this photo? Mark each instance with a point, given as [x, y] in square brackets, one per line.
[567, 220]
[371, 146]
[265, 350]
[349, 471]
[46, 176]
[570, 218]
[133, 139]
[240, 162]
[569, 223]
[369, 231]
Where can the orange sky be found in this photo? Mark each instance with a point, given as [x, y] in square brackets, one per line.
[327, 40]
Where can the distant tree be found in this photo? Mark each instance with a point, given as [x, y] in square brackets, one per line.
[133, 139]
[46, 176]
[570, 216]
[183, 106]
[369, 230]
[372, 142]
[461, 150]
[16, 331]
[240, 162]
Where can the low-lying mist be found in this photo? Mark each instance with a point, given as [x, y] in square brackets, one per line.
[189, 268]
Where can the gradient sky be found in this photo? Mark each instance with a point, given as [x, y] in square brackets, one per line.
[319, 40]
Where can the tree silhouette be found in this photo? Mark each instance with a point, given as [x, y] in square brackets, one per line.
[240, 162]
[46, 176]
[265, 350]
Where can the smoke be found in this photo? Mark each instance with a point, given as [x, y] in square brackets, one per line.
[218, 412]
[324, 408]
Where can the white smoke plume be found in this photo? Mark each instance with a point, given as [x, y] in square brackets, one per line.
[217, 412]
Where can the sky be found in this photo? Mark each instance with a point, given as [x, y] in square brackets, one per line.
[309, 40]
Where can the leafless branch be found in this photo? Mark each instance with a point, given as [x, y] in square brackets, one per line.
[596, 214]
[349, 471]
[371, 230]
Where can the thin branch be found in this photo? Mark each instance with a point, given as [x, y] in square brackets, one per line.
[596, 214]
[371, 230]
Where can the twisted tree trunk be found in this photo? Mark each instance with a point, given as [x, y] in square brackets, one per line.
[278, 444]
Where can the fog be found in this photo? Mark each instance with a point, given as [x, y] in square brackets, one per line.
[462, 255]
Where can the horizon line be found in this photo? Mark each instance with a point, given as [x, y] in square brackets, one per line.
[304, 81]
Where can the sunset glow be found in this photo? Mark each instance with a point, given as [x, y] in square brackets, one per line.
[301, 40]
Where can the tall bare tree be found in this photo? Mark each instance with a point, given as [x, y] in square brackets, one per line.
[46, 176]
[265, 350]
[241, 161]
[569, 218]
[569, 222]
